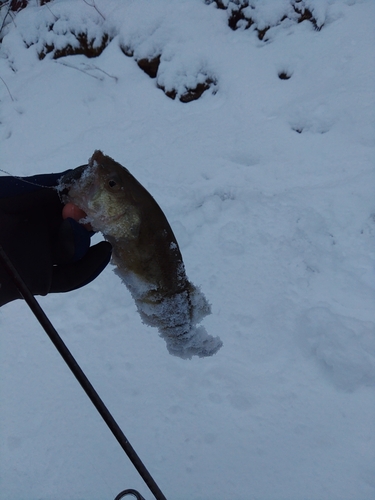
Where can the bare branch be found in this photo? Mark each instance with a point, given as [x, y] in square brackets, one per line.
[82, 70]
[2, 79]
[95, 7]
[54, 15]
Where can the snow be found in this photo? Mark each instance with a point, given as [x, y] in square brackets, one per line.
[269, 187]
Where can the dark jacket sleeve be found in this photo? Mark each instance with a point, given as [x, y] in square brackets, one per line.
[51, 255]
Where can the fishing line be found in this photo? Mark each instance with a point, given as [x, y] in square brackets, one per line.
[22, 179]
[81, 377]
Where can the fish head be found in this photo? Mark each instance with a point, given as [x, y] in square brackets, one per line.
[99, 189]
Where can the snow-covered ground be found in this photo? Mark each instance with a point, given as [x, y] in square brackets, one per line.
[268, 184]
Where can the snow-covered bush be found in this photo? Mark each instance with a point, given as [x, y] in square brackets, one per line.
[264, 15]
[67, 28]
[62, 29]
[160, 42]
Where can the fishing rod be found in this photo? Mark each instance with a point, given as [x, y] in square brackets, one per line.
[83, 381]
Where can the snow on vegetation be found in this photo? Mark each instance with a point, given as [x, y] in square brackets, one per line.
[252, 125]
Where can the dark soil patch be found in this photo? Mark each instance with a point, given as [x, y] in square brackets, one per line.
[150, 66]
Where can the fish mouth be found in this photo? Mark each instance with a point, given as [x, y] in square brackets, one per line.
[72, 176]
[80, 178]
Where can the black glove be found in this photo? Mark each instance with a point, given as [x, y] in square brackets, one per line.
[50, 254]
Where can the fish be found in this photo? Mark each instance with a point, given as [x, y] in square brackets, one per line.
[146, 254]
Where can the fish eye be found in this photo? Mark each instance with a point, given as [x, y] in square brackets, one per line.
[113, 182]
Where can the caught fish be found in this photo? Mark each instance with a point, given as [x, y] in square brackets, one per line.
[145, 252]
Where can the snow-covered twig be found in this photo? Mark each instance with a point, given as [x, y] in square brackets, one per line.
[85, 68]
[54, 15]
[95, 7]
[2, 79]
[79, 69]
[6, 15]
[102, 70]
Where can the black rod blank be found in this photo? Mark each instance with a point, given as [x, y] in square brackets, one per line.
[79, 375]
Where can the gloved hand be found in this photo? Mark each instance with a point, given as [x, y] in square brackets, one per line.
[51, 254]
